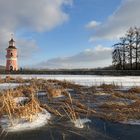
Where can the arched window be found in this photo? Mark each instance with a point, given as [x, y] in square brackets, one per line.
[11, 68]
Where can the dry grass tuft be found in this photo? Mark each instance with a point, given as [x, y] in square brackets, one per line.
[130, 96]
[55, 92]
[108, 87]
[15, 111]
[134, 90]
[112, 105]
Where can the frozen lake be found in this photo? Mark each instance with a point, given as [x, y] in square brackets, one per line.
[89, 80]
[97, 129]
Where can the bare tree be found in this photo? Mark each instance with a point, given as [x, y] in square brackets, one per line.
[117, 57]
[126, 53]
[136, 46]
[130, 41]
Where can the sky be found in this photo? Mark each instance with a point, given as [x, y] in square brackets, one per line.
[65, 33]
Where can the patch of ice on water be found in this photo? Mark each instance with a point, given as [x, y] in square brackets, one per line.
[8, 85]
[41, 93]
[79, 123]
[59, 96]
[131, 122]
[11, 85]
[102, 93]
[124, 88]
[40, 119]
[20, 99]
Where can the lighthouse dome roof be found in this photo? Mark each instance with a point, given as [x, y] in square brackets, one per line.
[12, 40]
[12, 44]
[12, 47]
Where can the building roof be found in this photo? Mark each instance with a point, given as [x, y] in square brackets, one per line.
[12, 44]
[12, 47]
[12, 40]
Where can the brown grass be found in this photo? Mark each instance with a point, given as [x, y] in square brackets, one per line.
[130, 96]
[54, 92]
[108, 87]
[112, 105]
[14, 111]
[69, 105]
[134, 90]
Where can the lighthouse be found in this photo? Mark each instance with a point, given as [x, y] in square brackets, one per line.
[11, 56]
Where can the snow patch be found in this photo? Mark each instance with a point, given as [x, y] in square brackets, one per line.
[79, 123]
[20, 99]
[11, 85]
[40, 119]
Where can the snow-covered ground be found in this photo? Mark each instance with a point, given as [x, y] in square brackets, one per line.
[11, 85]
[89, 80]
[8, 85]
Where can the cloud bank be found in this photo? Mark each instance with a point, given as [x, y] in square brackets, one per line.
[90, 58]
[125, 16]
[33, 15]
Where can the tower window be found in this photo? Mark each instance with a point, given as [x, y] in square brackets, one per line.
[11, 68]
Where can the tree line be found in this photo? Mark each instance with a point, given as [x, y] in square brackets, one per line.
[126, 53]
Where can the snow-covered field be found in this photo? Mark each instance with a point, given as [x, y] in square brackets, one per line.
[89, 80]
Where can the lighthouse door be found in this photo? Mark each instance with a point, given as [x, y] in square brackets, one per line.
[11, 68]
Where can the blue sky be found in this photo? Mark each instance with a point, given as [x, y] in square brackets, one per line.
[72, 37]
[59, 31]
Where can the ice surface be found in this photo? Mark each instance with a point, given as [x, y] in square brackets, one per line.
[89, 80]
[131, 122]
[79, 123]
[11, 85]
[40, 120]
[8, 85]
[20, 99]
[42, 93]
[59, 96]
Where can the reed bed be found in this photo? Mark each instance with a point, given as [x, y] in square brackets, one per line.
[14, 111]
[108, 87]
[72, 105]
[130, 95]
[54, 92]
[10, 79]
[134, 90]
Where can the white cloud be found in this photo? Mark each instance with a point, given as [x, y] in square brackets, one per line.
[29, 15]
[36, 15]
[125, 16]
[90, 58]
[92, 24]
[27, 50]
